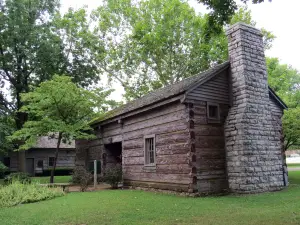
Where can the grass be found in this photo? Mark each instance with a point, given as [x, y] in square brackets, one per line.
[294, 165]
[138, 207]
[45, 180]
[294, 177]
[57, 179]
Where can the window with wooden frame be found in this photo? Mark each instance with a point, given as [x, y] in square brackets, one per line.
[213, 111]
[149, 150]
[51, 161]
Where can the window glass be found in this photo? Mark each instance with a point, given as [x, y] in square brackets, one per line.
[51, 161]
[149, 151]
[213, 111]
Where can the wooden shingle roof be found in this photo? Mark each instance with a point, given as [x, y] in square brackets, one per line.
[173, 90]
[164, 93]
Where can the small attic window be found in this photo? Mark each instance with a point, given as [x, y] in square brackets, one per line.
[213, 111]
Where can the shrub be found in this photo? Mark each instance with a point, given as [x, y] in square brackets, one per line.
[19, 193]
[23, 178]
[3, 169]
[82, 177]
[113, 176]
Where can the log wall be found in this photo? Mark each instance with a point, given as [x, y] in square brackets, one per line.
[170, 125]
[209, 138]
[66, 158]
[210, 149]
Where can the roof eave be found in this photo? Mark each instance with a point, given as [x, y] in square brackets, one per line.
[277, 98]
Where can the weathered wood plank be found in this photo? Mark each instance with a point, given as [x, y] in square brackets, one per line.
[171, 108]
[158, 177]
[170, 149]
[164, 103]
[158, 185]
[172, 138]
[167, 118]
[163, 169]
[173, 126]
[172, 159]
[209, 130]
[209, 141]
[210, 164]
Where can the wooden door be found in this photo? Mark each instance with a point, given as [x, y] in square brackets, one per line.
[30, 166]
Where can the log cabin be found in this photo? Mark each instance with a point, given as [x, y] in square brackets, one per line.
[218, 131]
[40, 158]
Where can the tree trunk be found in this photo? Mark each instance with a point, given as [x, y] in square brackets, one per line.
[55, 157]
[20, 119]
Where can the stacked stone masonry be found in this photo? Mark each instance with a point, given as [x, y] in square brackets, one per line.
[253, 145]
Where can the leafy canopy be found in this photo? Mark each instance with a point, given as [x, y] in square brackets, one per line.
[153, 43]
[58, 106]
[222, 11]
[149, 44]
[36, 41]
[285, 80]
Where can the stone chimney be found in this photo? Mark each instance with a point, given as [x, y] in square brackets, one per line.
[254, 160]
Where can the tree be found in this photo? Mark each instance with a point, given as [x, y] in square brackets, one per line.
[291, 128]
[58, 109]
[37, 42]
[285, 80]
[222, 12]
[7, 127]
[154, 43]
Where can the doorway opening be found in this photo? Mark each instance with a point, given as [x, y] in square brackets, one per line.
[112, 155]
[30, 166]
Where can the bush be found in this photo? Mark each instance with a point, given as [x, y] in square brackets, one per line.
[113, 176]
[23, 178]
[19, 193]
[82, 177]
[3, 170]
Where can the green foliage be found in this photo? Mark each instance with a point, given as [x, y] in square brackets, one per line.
[20, 177]
[243, 14]
[113, 175]
[82, 177]
[158, 43]
[57, 106]
[7, 127]
[37, 42]
[61, 110]
[222, 11]
[3, 169]
[281, 77]
[285, 80]
[149, 44]
[19, 193]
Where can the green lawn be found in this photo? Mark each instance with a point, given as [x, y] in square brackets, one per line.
[57, 179]
[294, 165]
[138, 207]
[44, 180]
